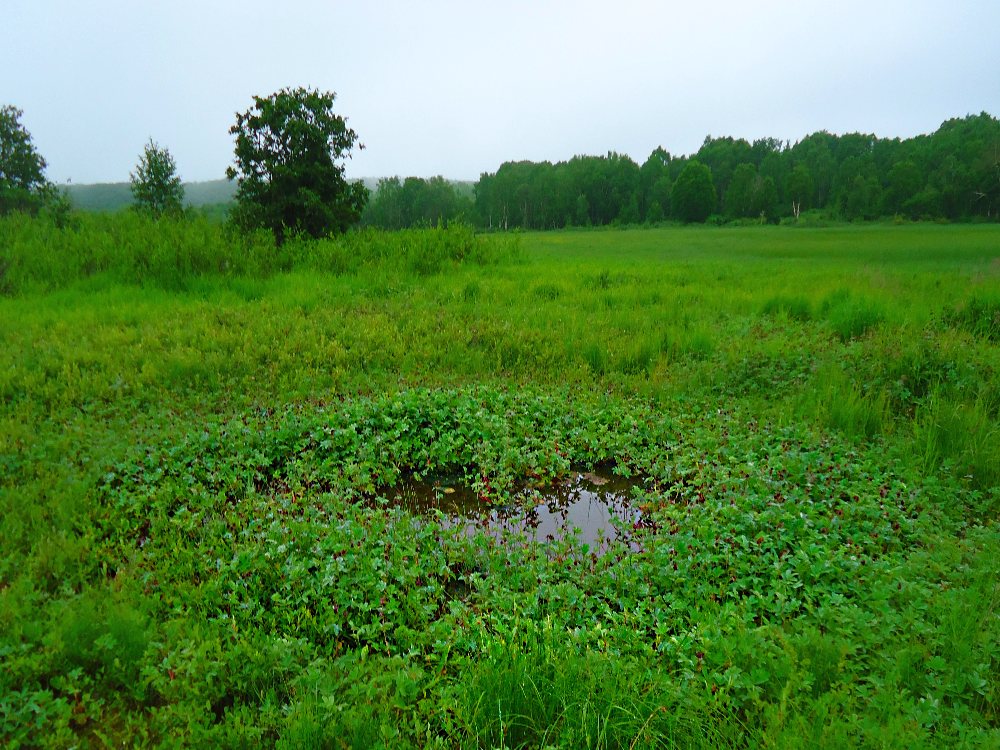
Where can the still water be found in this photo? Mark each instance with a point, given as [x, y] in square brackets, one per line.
[595, 508]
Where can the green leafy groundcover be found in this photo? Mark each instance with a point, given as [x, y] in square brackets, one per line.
[259, 589]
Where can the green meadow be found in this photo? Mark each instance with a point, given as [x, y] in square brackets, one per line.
[200, 436]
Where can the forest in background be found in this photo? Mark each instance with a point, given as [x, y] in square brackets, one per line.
[952, 174]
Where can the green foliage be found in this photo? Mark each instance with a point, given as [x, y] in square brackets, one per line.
[532, 690]
[979, 315]
[156, 188]
[130, 248]
[796, 308]
[582, 214]
[135, 249]
[950, 174]
[197, 482]
[844, 406]
[800, 189]
[739, 195]
[655, 213]
[962, 435]
[850, 318]
[903, 183]
[863, 199]
[106, 642]
[751, 195]
[23, 186]
[416, 202]
[693, 196]
[765, 199]
[288, 172]
[583, 191]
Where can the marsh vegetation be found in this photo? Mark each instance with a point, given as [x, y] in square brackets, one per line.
[202, 437]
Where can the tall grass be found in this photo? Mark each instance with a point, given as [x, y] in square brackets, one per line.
[133, 248]
[965, 436]
[190, 551]
[529, 690]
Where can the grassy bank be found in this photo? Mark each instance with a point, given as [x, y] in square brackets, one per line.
[196, 434]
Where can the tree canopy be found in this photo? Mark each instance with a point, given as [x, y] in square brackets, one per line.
[156, 188]
[693, 197]
[23, 186]
[416, 202]
[289, 169]
[953, 174]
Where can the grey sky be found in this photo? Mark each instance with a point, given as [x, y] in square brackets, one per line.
[457, 88]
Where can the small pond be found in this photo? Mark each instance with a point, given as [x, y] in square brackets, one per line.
[595, 507]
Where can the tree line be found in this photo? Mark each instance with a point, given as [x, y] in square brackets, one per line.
[953, 174]
[290, 179]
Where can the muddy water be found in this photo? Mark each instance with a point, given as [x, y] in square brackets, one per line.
[593, 507]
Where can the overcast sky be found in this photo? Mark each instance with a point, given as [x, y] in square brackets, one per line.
[456, 88]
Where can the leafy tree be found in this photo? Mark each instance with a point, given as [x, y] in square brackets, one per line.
[863, 199]
[764, 202]
[722, 156]
[23, 186]
[924, 205]
[630, 211]
[289, 171]
[739, 198]
[544, 195]
[623, 174]
[651, 171]
[858, 145]
[816, 152]
[582, 215]
[763, 148]
[903, 182]
[693, 197]
[777, 166]
[846, 172]
[800, 188]
[156, 187]
[415, 202]
[967, 159]
[489, 206]
[750, 194]
[386, 208]
[953, 186]
[659, 198]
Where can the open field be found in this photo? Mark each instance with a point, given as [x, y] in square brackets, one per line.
[200, 437]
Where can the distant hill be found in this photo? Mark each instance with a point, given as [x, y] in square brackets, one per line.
[114, 196]
[107, 196]
[206, 193]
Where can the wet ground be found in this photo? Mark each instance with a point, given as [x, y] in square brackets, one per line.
[594, 507]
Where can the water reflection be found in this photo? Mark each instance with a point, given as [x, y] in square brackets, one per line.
[593, 507]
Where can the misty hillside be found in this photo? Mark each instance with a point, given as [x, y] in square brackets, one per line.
[113, 196]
